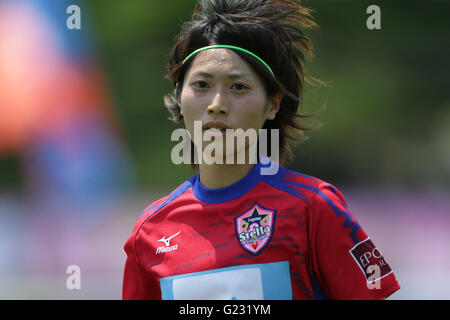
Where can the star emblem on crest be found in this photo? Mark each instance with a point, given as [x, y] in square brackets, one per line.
[256, 217]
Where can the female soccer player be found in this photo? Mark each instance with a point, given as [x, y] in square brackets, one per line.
[235, 231]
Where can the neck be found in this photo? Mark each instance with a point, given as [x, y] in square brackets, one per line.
[222, 175]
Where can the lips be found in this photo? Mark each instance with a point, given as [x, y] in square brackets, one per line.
[214, 124]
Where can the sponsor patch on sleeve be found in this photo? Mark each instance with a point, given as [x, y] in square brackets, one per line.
[369, 258]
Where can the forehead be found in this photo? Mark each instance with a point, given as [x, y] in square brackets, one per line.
[220, 61]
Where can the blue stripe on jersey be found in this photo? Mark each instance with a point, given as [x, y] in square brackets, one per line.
[172, 196]
[335, 192]
[348, 217]
[282, 185]
[278, 182]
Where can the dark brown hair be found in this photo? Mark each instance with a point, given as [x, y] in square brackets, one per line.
[273, 30]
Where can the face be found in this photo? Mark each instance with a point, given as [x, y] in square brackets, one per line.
[221, 89]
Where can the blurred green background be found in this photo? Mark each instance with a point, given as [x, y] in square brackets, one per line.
[387, 107]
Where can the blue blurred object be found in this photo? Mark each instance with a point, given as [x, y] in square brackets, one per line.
[57, 113]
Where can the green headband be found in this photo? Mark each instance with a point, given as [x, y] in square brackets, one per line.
[230, 47]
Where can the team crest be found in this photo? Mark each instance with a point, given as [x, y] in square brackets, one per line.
[254, 228]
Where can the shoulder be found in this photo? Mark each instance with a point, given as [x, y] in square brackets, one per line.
[312, 190]
[327, 206]
[159, 204]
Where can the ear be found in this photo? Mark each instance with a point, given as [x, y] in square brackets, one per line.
[274, 106]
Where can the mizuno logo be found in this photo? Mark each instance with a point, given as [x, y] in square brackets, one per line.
[166, 241]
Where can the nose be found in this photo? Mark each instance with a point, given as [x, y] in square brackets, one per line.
[218, 105]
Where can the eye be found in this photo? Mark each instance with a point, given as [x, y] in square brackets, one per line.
[200, 84]
[239, 86]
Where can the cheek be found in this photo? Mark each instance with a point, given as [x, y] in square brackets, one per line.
[190, 102]
[253, 110]
[191, 109]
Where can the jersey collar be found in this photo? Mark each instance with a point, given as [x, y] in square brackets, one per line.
[230, 192]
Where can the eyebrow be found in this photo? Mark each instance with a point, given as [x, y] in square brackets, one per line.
[230, 76]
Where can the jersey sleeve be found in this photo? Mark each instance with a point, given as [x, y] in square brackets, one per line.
[345, 262]
[137, 282]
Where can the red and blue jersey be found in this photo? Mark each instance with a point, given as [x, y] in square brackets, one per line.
[281, 236]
